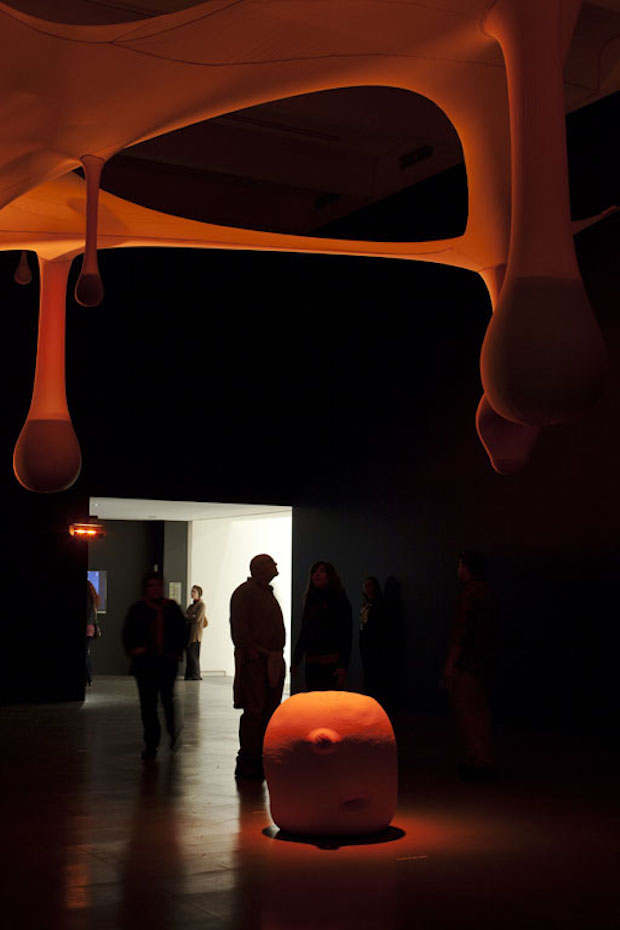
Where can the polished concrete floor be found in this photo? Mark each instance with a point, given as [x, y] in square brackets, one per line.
[93, 838]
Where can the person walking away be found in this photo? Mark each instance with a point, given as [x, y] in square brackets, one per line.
[154, 636]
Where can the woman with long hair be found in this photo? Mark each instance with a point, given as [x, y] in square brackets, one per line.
[326, 630]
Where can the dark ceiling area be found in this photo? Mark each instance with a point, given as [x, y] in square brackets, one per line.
[368, 163]
[295, 165]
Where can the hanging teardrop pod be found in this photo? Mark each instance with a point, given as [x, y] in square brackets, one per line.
[23, 274]
[89, 287]
[47, 455]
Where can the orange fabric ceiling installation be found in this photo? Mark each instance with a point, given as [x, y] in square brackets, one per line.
[74, 96]
[330, 764]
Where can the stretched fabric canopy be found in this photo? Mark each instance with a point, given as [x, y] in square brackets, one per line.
[76, 95]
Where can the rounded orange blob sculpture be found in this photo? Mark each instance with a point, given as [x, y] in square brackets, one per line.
[330, 764]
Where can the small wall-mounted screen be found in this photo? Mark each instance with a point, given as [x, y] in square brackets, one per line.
[99, 580]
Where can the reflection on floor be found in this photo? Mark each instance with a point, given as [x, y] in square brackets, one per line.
[93, 838]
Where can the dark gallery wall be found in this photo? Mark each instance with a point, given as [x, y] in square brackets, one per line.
[42, 623]
[550, 533]
[175, 557]
[355, 404]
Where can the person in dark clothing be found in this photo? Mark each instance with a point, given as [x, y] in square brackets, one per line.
[326, 630]
[92, 627]
[375, 640]
[154, 636]
[470, 664]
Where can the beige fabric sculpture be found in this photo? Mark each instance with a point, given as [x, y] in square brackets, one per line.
[76, 95]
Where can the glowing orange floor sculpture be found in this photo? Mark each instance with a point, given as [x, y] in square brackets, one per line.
[76, 95]
[330, 764]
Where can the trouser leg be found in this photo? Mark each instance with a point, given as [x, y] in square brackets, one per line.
[168, 676]
[273, 699]
[193, 661]
[259, 701]
[473, 717]
[148, 689]
[89, 663]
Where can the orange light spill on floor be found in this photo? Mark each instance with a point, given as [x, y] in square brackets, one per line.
[177, 845]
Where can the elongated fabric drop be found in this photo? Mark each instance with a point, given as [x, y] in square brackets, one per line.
[89, 287]
[47, 454]
[543, 359]
[23, 274]
[508, 445]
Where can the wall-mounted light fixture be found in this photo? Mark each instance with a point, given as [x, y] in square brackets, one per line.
[86, 530]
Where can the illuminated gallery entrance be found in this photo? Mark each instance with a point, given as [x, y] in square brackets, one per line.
[192, 543]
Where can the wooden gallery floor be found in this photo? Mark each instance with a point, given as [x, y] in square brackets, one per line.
[92, 838]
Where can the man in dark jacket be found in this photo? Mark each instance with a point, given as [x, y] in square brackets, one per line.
[154, 638]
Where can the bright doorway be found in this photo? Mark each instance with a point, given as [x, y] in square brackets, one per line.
[220, 541]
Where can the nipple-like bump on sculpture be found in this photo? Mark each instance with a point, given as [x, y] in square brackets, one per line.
[23, 274]
[508, 445]
[89, 287]
[47, 454]
[543, 359]
[330, 764]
